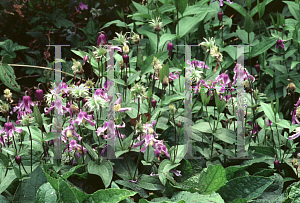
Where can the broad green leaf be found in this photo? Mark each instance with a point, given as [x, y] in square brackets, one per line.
[268, 151]
[186, 24]
[294, 9]
[27, 189]
[3, 199]
[104, 170]
[37, 115]
[111, 195]
[226, 135]
[132, 78]
[231, 170]
[7, 180]
[36, 133]
[263, 46]
[180, 153]
[134, 187]
[120, 81]
[117, 22]
[172, 98]
[246, 187]
[163, 170]
[140, 8]
[90, 151]
[249, 24]
[182, 4]
[213, 178]
[7, 76]
[150, 183]
[237, 7]
[121, 168]
[70, 172]
[65, 192]
[268, 111]
[294, 63]
[202, 127]
[50, 136]
[46, 194]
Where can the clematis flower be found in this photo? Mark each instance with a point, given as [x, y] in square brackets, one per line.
[160, 148]
[296, 135]
[9, 129]
[117, 106]
[82, 116]
[26, 103]
[244, 74]
[110, 125]
[172, 77]
[176, 172]
[69, 132]
[149, 141]
[82, 7]
[221, 2]
[74, 146]
[279, 43]
[101, 40]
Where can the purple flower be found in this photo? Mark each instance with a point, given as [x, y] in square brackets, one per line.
[279, 43]
[101, 40]
[238, 71]
[74, 146]
[223, 79]
[26, 103]
[110, 125]
[82, 6]
[117, 106]
[160, 149]
[220, 16]
[172, 77]
[221, 3]
[39, 94]
[85, 59]
[153, 102]
[83, 116]
[149, 141]
[198, 64]
[170, 48]
[57, 103]
[9, 129]
[126, 59]
[70, 131]
[176, 172]
[134, 181]
[296, 135]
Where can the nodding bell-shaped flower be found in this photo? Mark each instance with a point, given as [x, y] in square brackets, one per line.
[18, 159]
[126, 59]
[220, 16]
[277, 165]
[279, 42]
[39, 94]
[257, 67]
[101, 39]
[153, 103]
[170, 48]
[85, 59]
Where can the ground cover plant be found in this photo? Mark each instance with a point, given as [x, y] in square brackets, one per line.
[137, 114]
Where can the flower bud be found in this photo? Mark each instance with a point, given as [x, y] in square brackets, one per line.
[172, 109]
[126, 49]
[257, 67]
[291, 87]
[165, 81]
[154, 103]
[18, 160]
[126, 59]
[78, 83]
[74, 109]
[85, 59]
[179, 124]
[170, 48]
[220, 16]
[277, 165]
[39, 94]
[101, 40]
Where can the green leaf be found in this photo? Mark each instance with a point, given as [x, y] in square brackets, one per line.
[104, 170]
[147, 67]
[268, 111]
[182, 4]
[3, 199]
[231, 170]
[268, 151]
[37, 115]
[294, 63]
[134, 187]
[120, 81]
[164, 72]
[249, 24]
[186, 24]
[117, 22]
[91, 151]
[213, 179]
[121, 168]
[226, 135]
[133, 78]
[172, 98]
[70, 172]
[246, 187]
[163, 170]
[46, 194]
[263, 46]
[180, 153]
[150, 183]
[111, 195]
[36, 133]
[65, 192]
[50, 136]
[7, 180]
[294, 9]
[27, 189]
[202, 127]
[249, 2]
[7, 76]
[237, 7]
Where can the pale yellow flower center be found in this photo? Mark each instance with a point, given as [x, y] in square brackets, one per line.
[117, 107]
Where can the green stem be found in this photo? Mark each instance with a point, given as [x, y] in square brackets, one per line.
[30, 148]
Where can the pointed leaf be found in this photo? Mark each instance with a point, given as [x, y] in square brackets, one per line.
[104, 170]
